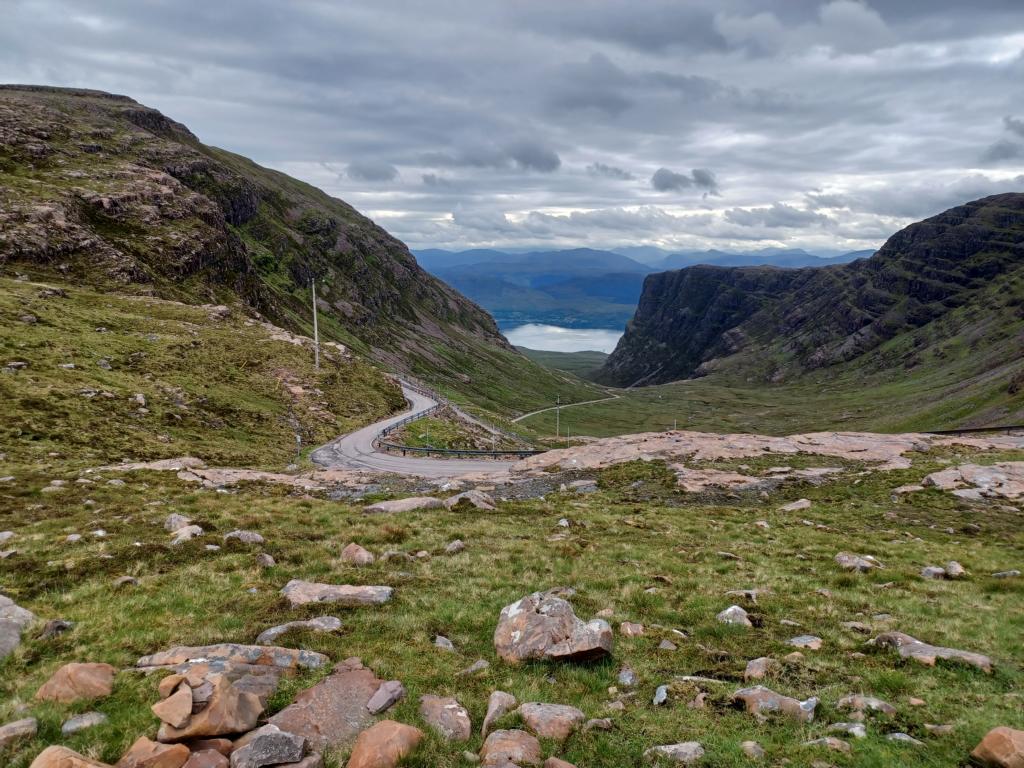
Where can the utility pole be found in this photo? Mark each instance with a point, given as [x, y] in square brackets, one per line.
[558, 415]
[316, 329]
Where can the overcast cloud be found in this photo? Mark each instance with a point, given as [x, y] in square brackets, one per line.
[600, 123]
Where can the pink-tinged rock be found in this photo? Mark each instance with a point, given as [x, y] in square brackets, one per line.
[1001, 747]
[498, 705]
[62, 757]
[763, 702]
[228, 711]
[542, 626]
[224, 746]
[17, 730]
[912, 648]
[551, 721]
[233, 653]
[830, 742]
[504, 748]
[389, 694]
[758, 669]
[300, 592]
[78, 682]
[446, 716]
[630, 629]
[736, 616]
[796, 506]
[356, 555]
[554, 762]
[470, 500]
[333, 712]
[207, 758]
[405, 505]
[145, 753]
[384, 745]
[860, 703]
[176, 709]
[810, 642]
[861, 564]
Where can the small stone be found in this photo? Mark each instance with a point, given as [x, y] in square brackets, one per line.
[478, 666]
[1002, 747]
[503, 749]
[444, 643]
[810, 642]
[446, 716]
[1006, 574]
[187, 533]
[551, 721]
[630, 629]
[954, 570]
[304, 592]
[753, 750]
[499, 704]
[246, 537]
[685, 753]
[267, 746]
[145, 753]
[933, 572]
[736, 616]
[856, 730]
[356, 555]
[126, 581]
[82, 722]
[861, 703]
[667, 645]
[758, 669]
[796, 506]
[762, 702]
[78, 682]
[454, 547]
[263, 560]
[904, 738]
[945, 730]
[598, 724]
[627, 678]
[660, 695]
[17, 730]
[831, 742]
[861, 564]
[389, 694]
[176, 522]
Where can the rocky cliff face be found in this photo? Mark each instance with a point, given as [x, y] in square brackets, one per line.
[113, 193]
[769, 325]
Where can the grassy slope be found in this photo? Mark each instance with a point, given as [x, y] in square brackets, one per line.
[581, 364]
[213, 389]
[447, 431]
[635, 528]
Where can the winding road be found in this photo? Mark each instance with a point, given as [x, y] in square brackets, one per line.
[563, 406]
[356, 450]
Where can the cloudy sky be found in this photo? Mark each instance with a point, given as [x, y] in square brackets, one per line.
[677, 123]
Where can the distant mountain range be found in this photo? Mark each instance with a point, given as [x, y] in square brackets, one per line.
[582, 287]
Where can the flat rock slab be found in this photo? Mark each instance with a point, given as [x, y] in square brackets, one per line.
[384, 745]
[1005, 479]
[62, 757]
[446, 716]
[405, 505]
[78, 682]
[234, 653]
[300, 592]
[19, 729]
[542, 626]
[551, 721]
[504, 748]
[684, 753]
[145, 753]
[470, 500]
[1001, 747]
[763, 702]
[333, 712]
[923, 653]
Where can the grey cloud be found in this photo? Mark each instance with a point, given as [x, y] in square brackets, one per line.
[523, 154]
[371, 170]
[609, 171]
[1014, 125]
[531, 156]
[1002, 151]
[665, 180]
[776, 215]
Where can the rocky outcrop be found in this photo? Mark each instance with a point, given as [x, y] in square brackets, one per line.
[911, 648]
[769, 324]
[543, 626]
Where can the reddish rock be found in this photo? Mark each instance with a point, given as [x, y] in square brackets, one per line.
[206, 758]
[62, 757]
[300, 592]
[224, 746]
[498, 705]
[384, 745]
[758, 669]
[542, 626]
[504, 747]
[551, 721]
[151, 754]
[630, 629]
[1001, 747]
[763, 702]
[554, 762]
[176, 709]
[333, 712]
[228, 711]
[356, 555]
[446, 716]
[78, 682]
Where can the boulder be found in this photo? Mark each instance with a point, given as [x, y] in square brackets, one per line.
[1001, 747]
[954, 570]
[455, 547]
[630, 629]
[763, 702]
[912, 648]
[752, 750]
[470, 500]
[175, 709]
[246, 537]
[810, 642]
[758, 669]
[504, 748]
[333, 712]
[62, 757]
[499, 704]
[176, 522]
[18, 729]
[187, 533]
[145, 753]
[684, 753]
[356, 555]
[861, 703]
[226, 654]
[384, 745]
[319, 624]
[207, 758]
[78, 682]
[796, 506]
[542, 626]
[405, 505]
[228, 711]
[305, 592]
[551, 721]
[267, 746]
[446, 716]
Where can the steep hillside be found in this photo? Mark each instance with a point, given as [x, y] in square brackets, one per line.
[945, 294]
[100, 190]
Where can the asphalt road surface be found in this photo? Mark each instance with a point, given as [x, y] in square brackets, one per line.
[356, 450]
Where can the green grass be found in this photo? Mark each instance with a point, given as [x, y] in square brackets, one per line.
[581, 364]
[635, 533]
[447, 431]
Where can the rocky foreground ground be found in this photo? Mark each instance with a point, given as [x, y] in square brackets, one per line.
[681, 598]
